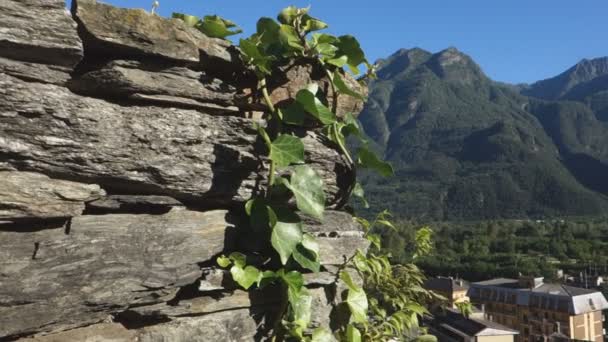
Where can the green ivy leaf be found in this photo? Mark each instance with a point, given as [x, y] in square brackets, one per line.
[262, 217]
[348, 280]
[368, 159]
[310, 24]
[301, 308]
[255, 56]
[322, 38]
[306, 259]
[286, 234]
[307, 253]
[360, 194]
[245, 277]
[189, 20]
[374, 239]
[288, 15]
[325, 50]
[295, 284]
[357, 302]
[239, 259]
[268, 31]
[352, 334]
[315, 107]
[339, 61]
[352, 127]
[223, 261]
[293, 114]
[266, 278]
[289, 37]
[286, 150]
[311, 244]
[350, 47]
[216, 27]
[344, 88]
[307, 188]
[356, 299]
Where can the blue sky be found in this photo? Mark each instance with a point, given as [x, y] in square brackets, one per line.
[513, 40]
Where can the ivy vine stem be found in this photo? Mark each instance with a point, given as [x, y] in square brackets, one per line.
[271, 172]
[342, 146]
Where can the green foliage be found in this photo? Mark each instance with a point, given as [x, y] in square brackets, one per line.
[395, 296]
[375, 313]
[465, 308]
[480, 250]
[286, 236]
[287, 150]
[307, 187]
[211, 25]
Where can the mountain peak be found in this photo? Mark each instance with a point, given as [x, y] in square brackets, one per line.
[454, 65]
[584, 72]
[401, 61]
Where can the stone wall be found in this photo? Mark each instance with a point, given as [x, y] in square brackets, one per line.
[127, 150]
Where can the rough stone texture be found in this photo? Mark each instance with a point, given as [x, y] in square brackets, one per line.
[38, 31]
[33, 195]
[155, 82]
[133, 204]
[339, 236]
[298, 76]
[138, 264]
[79, 272]
[144, 150]
[35, 72]
[116, 32]
[230, 326]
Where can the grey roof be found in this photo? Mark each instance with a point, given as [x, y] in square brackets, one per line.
[557, 297]
[501, 282]
[443, 284]
[472, 326]
[562, 290]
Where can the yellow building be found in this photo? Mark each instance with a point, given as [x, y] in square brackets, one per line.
[454, 290]
[538, 310]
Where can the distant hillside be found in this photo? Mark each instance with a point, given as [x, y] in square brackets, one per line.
[586, 82]
[466, 147]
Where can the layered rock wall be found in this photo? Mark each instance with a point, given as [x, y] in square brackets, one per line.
[127, 150]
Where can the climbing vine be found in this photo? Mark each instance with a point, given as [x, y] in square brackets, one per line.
[377, 310]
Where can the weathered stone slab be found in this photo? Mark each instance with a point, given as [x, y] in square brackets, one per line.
[115, 32]
[35, 72]
[33, 195]
[78, 273]
[230, 326]
[133, 204]
[39, 31]
[339, 237]
[155, 83]
[183, 154]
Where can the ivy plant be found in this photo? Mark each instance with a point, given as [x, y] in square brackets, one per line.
[293, 188]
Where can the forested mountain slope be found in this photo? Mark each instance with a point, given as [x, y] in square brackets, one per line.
[466, 147]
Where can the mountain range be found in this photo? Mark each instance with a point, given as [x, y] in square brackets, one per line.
[465, 147]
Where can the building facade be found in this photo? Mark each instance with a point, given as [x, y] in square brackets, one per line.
[455, 291]
[539, 310]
